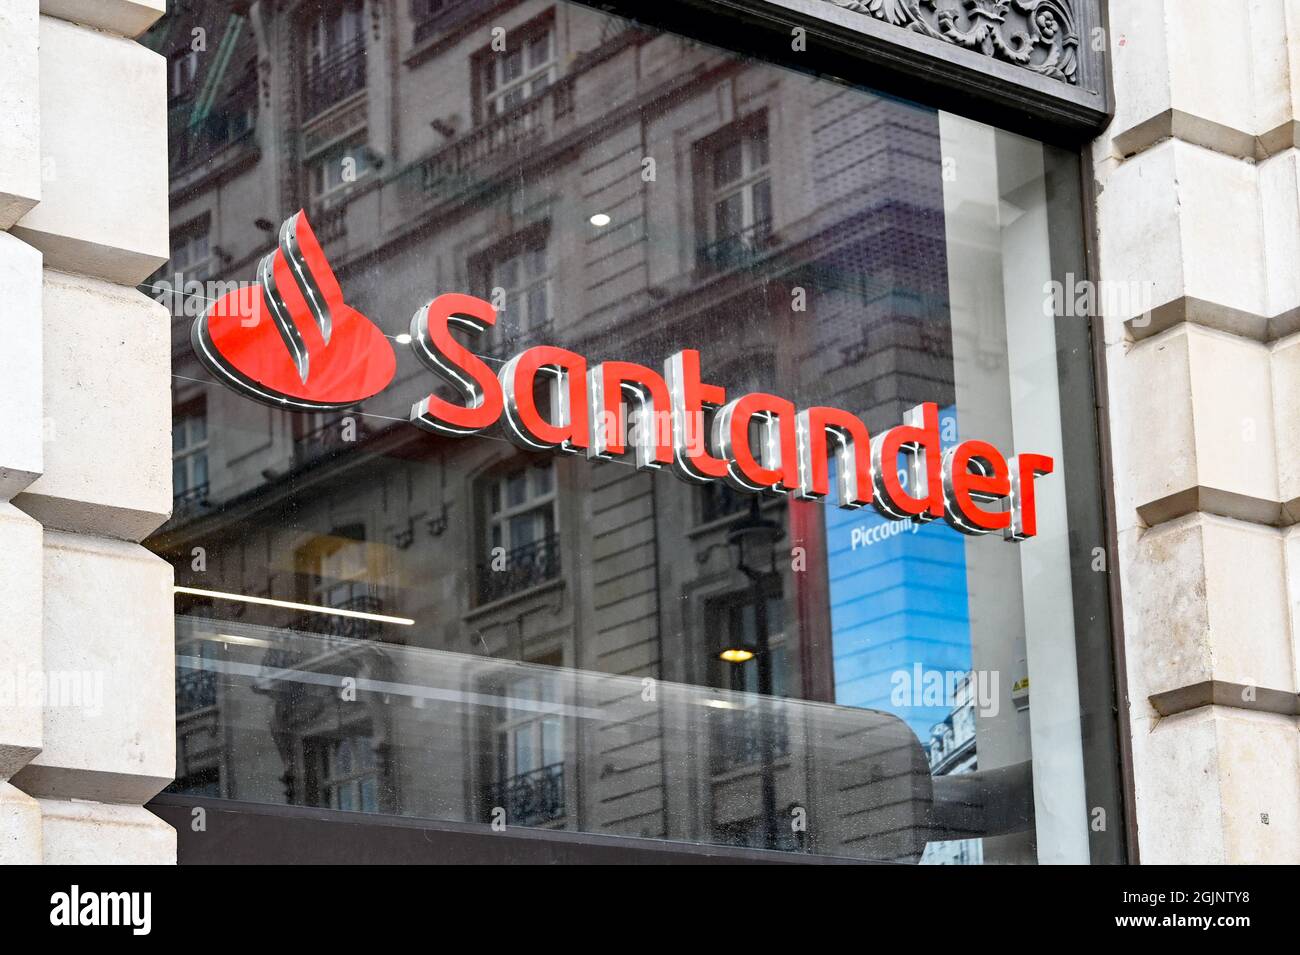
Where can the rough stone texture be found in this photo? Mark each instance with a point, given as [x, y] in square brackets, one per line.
[1207, 780]
[127, 17]
[1163, 217]
[103, 208]
[20, 647]
[20, 146]
[88, 833]
[107, 412]
[21, 374]
[108, 623]
[20, 828]
[1197, 420]
[1209, 598]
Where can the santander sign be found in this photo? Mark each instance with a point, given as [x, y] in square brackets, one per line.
[290, 341]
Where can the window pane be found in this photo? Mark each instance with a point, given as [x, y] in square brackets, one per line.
[539, 50]
[727, 164]
[762, 202]
[516, 488]
[729, 216]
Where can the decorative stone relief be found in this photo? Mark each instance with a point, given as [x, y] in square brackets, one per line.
[1039, 35]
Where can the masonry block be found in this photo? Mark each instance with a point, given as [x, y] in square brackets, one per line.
[107, 467]
[21, 841]
[82, 833]
[1206, 599]
[103, 208]
[21, 366]
[1193, 427]
[20, 146]
[109, 635]
[1218, 786]
[22, 675]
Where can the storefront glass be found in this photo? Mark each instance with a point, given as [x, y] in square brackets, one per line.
[375, 618]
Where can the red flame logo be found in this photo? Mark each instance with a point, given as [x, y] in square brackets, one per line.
[289, 340]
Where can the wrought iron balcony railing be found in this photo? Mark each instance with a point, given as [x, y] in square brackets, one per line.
[335, 78]
[739, 249]
[513, 136]
[187, 502]
[360, 598]
[531, 798]
[524, 567]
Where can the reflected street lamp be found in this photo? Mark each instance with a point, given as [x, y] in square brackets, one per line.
[753, 543]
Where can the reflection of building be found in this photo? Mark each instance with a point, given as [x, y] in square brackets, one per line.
[952, 751]
[430, 160]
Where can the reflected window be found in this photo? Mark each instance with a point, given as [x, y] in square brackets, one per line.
[743, 733]
[190, 453]
[519, 280]
[336, 169]
[344, 772]
[191, 252]
[738, 188]
[428, 13]
[525, 69]
[529, 781]
[182, 68]
[521, 543]
[335, 52]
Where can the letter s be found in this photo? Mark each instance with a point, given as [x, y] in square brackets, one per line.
[437, 350]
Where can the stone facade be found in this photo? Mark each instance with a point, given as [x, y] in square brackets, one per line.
[88, 653]
[1197, 205]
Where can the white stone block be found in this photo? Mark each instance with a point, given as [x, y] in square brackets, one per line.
[1217, 786]
[107, 468]
[1206, 599]
[20, 146]
[103, 208]
[1291, 544]
[21, 366]
[1285, 360]
[1212, 72]
[1193, 414]
[20, 828]
[1185, 222]
[21, 670]
[88, 833]
[109, 634]
[1279, 199]
[127, 17]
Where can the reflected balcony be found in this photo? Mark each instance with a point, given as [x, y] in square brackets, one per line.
[335, 78]
[530, 799]
[524, 567]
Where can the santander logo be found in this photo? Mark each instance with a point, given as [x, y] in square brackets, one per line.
[289, 340]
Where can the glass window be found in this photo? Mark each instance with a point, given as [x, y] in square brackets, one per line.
[333, 38]
[739, 194]
[521, 71]
[540, 636]
[190, 454]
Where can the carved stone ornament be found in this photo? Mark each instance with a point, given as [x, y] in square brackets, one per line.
[1039, 35]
